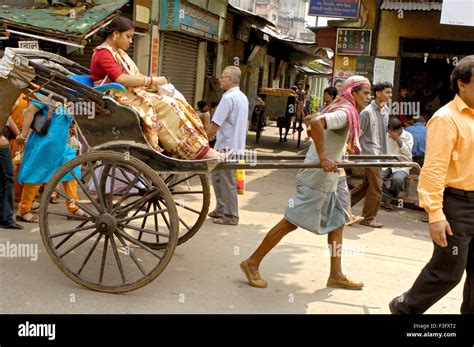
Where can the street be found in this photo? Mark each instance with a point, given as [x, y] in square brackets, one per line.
[204, 276]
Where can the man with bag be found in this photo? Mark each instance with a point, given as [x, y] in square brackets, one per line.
[44, 155]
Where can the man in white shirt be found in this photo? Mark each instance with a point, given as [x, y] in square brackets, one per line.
[399, 142]
[229, 124]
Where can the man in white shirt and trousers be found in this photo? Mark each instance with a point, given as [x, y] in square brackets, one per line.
[229, 124]
[399, 142]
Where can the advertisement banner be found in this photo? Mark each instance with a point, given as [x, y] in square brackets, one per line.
[334, 8]
[353, 41]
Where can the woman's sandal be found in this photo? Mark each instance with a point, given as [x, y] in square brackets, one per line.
[79, 213]
[54, 199]
[35, 206]
[32, 219]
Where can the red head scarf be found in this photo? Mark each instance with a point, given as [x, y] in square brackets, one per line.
[346, 102]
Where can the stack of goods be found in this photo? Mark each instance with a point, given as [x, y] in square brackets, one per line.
[277, 91]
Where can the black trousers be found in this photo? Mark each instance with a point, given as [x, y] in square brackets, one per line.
[447, 265]
[6, 186]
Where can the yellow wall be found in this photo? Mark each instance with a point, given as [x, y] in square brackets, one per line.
[416, 24]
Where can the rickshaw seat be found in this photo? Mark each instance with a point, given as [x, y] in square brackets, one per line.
[87, 80]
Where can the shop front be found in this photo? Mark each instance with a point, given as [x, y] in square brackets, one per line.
[188, 47]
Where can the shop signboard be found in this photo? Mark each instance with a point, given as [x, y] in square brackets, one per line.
[344, 67]
[28, 45]
[334, 8]
[365, 67]
[353, 41]
[185, 17]
[456, 12]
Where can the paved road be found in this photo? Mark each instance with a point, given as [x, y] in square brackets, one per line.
[204, 277]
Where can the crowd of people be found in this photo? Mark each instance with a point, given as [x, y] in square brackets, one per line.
[350, 122]
[446, 185]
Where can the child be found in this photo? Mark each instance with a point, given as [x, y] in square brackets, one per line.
[203, 113]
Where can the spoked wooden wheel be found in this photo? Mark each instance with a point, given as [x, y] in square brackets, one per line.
[191, 194]
[106, 249]
[192, 197]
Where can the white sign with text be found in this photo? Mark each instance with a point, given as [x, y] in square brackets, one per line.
[28, 45]
[384, 70]
[457, 12]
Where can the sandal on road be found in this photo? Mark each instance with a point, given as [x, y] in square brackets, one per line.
[35, 206]
[79, 213]
[371, 223]
[354, 219]
[27, 218]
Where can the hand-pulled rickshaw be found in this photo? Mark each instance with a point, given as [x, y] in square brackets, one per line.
[140, 203]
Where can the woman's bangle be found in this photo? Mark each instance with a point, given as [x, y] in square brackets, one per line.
[22, 137]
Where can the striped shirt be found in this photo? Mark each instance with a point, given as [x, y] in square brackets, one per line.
[373, 129]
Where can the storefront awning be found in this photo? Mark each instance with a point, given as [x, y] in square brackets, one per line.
[313, 72]
[55, 23]
[302, 50]
[254, 19]
[411, 5]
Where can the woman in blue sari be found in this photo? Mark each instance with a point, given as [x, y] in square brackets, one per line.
[43, 156]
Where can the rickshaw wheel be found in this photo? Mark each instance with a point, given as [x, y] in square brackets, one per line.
[79, 250]
[192, 197]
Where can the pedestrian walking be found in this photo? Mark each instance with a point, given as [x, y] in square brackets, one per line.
[315, 206]
[373, 133]
[446, 192]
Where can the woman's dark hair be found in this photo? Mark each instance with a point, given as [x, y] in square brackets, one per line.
[120, 24]
[463, 72]
[331, 91]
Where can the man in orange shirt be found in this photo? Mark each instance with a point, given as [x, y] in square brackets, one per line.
[446, 191]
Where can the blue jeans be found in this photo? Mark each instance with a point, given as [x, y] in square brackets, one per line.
[6, 186]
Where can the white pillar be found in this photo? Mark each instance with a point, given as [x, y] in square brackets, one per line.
[201, 71]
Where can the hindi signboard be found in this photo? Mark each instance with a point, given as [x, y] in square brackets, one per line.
[334, 8]
[353, 41]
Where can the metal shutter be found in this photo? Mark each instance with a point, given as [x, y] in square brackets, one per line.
[179, 62]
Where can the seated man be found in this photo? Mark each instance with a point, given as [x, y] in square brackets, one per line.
[399, 142]
[418, 130]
